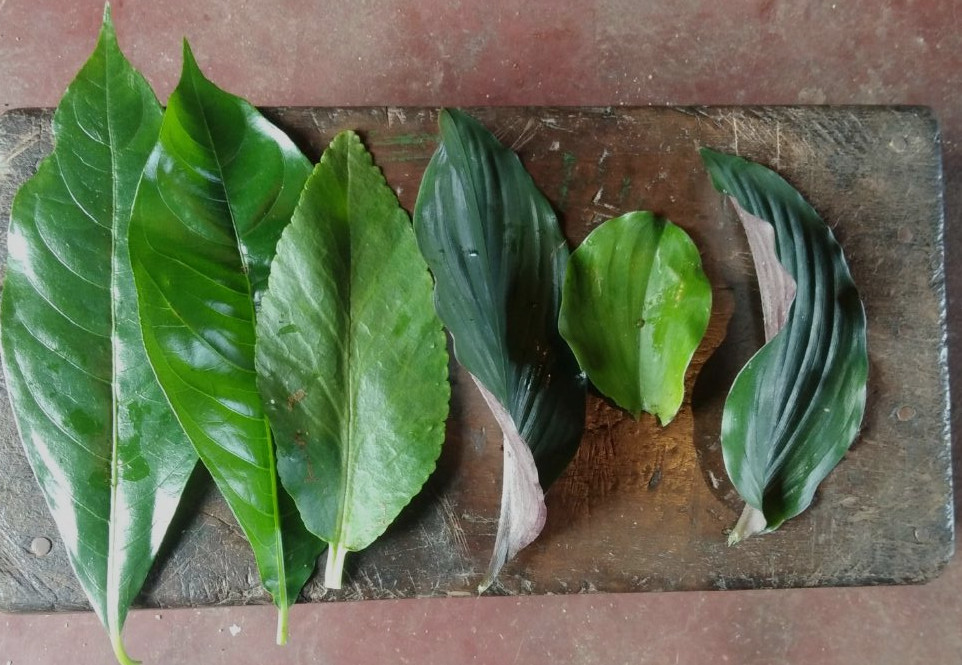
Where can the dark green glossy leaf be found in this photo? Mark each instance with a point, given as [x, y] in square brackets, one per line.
[351, 356]
[498, 258]
[636, 305]
[218, 190]
[108, 453]
[796, 407]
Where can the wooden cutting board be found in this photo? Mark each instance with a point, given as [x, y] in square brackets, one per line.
[641, 508]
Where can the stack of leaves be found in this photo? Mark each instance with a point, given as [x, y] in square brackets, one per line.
[140, 332]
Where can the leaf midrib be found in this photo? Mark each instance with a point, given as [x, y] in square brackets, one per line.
[281, 600]
[349, 456]
[113, 575]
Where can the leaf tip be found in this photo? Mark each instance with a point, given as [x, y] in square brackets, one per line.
[190, 63]
[108, 35]
[708, 153]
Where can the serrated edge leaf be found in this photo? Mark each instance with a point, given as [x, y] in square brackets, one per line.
[312, 304]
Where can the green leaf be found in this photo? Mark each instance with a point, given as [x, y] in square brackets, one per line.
[218, 190]
[636, 305]
[796, 407]
[351, 356]
[108, 453]
[498, 257]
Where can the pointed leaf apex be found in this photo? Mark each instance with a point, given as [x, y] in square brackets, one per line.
[190, 63]
[107, 33]
[452, 120]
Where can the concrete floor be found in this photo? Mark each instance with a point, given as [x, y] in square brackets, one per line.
[607, 52]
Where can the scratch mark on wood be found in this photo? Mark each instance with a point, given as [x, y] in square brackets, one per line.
[567, 174]
[26, 142]
[778, 145]
[395, 114]
[552, 123]
[528, 133]
[453, 525]
[735, 131]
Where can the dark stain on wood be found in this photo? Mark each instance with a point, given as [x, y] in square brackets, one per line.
[641, 507]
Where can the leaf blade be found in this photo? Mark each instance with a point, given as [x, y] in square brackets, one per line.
[807, 385]
[218, 190]
[356, 382]
[82, 392]
[635, 307]
[498, 257]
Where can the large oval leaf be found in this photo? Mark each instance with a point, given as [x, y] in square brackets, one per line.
[636, 305]
[218, 190]
[796, 407]
[110, 457]
[351, 356]
[498, 257]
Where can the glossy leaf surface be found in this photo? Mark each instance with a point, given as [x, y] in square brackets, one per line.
[796, 407]
[498, 257]
[351, 355]
[218, 190]
[636, 305]
[108, 453]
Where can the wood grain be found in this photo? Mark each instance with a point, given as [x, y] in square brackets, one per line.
[641, 508]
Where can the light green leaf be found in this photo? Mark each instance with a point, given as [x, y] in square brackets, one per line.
[218, 190]
[351, 356]
[796, 407]
[498, 257]
[636, 305]
[110, 457]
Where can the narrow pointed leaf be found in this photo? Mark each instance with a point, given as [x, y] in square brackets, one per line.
[499, 257]
[110, 457]
[218, 190]
[796, 407]
[636, 305]
[351, 355]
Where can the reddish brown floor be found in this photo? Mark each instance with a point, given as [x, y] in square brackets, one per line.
[608, 52]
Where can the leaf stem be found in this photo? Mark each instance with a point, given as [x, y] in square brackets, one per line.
[335, 565]
[282, 614]
[751, 521]
[117, 642]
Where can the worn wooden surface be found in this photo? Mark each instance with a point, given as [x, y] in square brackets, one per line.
[641, 508]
